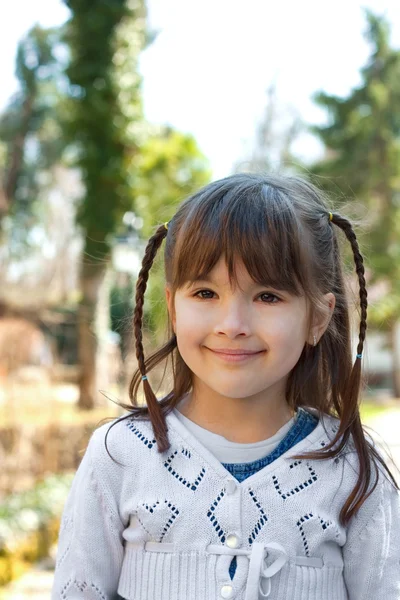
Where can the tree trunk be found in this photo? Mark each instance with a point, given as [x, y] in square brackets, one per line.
[3, 205]
[92, 277]
[17, 152]
[394, 334]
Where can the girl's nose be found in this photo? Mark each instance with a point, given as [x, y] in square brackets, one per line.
[233, 321]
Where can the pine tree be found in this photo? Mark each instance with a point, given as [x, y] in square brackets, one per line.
[362, 141]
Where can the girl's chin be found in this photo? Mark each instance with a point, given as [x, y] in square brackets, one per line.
[235, 393]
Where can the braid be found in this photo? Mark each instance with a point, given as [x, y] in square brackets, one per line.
[351, 414]
[153, 407]
[346, 227]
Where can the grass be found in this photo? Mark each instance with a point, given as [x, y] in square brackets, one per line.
[41, 405]
[369, 410]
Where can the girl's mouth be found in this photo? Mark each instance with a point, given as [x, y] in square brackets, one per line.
[236, 355]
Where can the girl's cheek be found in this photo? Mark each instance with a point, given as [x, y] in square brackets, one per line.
[189, 322]
[195, 313]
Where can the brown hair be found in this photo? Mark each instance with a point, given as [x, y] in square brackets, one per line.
[279, 227]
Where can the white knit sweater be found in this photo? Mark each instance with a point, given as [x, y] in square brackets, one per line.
[166, 526]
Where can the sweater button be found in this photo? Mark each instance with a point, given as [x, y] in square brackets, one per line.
[232, 541]
[230, 486]
[227, 591]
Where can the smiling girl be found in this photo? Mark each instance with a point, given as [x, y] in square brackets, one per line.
[253, 477]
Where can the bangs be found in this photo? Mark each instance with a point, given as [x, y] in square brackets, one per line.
[253, 223]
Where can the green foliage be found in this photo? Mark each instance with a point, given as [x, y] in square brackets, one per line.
[370, 411]
[169, 168]
[362, 138]
[31, 128]
[105, 108]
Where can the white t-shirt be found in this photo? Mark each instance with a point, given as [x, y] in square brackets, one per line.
[233, 452]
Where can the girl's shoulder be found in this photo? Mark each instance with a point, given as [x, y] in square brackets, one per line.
[325, 433]
[382, 490]
[121, 438]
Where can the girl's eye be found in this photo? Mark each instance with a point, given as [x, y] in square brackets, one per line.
[200, 293]
[268, 295]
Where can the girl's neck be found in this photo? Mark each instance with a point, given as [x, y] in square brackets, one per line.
[240, 420]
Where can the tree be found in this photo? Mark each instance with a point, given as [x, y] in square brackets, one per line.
[362, 140]
[37, 192]
[30, 126]
[106, 124]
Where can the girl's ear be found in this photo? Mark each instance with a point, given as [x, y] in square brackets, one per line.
[171, 310]
[319, 328]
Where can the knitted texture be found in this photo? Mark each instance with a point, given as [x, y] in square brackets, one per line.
[304, 424]
[166, 526]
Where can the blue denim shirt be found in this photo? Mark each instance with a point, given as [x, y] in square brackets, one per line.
[304, 424]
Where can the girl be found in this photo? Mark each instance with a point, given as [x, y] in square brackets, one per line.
[253, 477]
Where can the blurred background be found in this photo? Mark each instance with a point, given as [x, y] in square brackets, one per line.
[111, 113]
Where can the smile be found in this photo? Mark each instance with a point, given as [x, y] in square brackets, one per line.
[236, 355]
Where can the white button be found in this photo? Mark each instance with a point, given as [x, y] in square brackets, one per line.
[232, 541]
[230, 486]
[227, 591]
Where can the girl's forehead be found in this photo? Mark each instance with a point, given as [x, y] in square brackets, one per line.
[221, 272]
[240, 277]
[221, 269]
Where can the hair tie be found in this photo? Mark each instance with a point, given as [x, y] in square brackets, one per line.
[330, 216]
[166, 225]
[359, 355]
[144, 377]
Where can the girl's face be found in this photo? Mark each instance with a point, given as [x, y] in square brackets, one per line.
[241, 341]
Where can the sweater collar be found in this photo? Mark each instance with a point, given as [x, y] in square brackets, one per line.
[305, 445]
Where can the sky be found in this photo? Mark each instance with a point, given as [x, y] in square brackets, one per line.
[213, 61]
